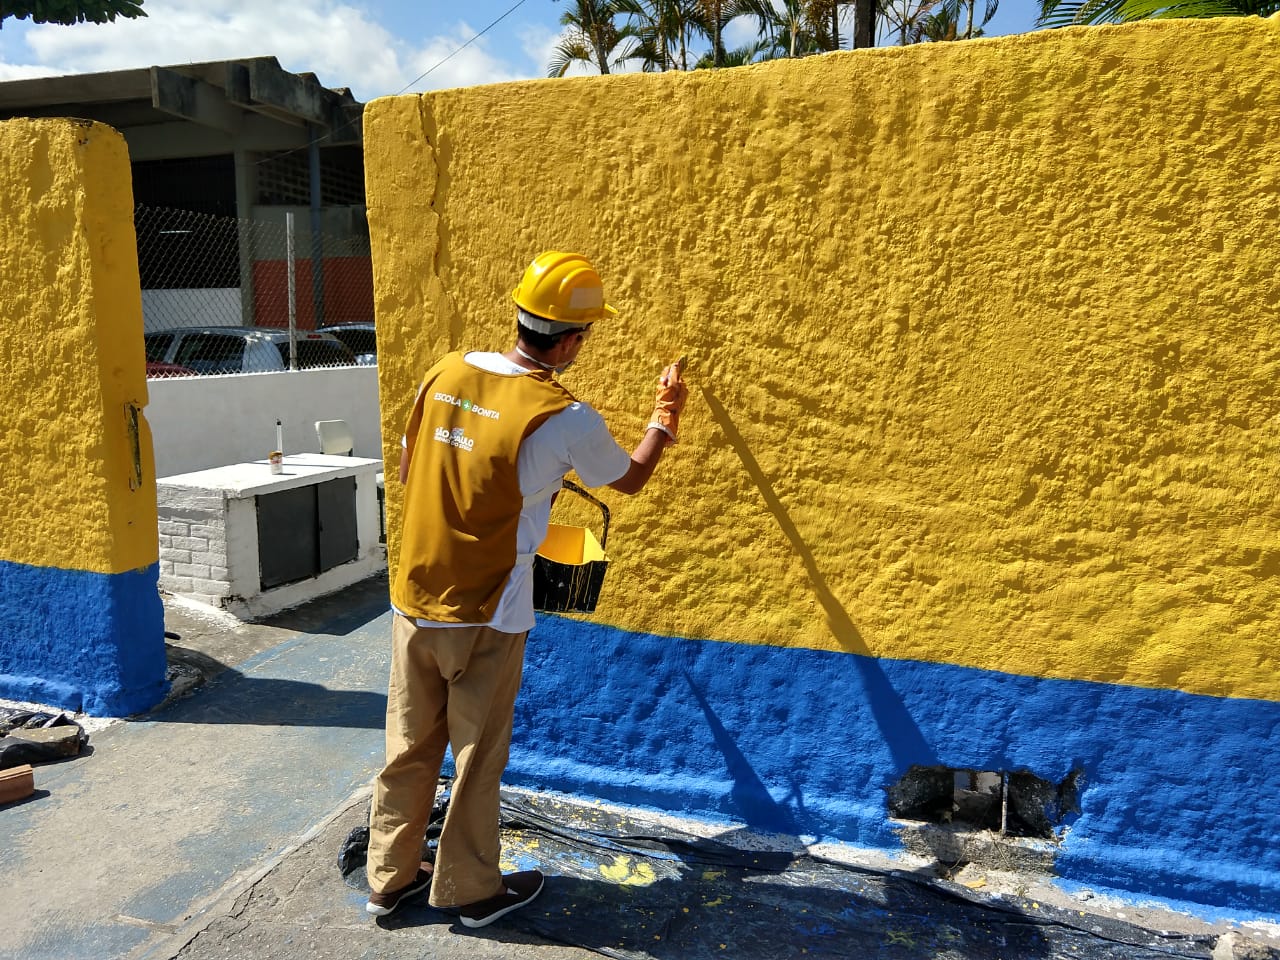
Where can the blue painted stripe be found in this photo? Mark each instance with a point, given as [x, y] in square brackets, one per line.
[82, 641]
[1180, 796]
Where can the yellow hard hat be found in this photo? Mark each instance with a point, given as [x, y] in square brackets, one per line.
[562, 287]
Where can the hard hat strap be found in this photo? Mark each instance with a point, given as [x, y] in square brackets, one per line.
[544, 366]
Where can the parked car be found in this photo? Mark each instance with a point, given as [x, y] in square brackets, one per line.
[158, 370]
[360, 337]
[207, 350]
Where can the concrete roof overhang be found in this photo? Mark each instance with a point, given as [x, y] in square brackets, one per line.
[197, 109]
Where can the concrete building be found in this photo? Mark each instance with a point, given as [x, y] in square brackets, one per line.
[221, 154]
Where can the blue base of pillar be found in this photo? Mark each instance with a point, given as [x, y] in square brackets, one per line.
[89, 642]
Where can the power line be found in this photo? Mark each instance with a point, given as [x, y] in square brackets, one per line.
[325, 136]
[517, 6]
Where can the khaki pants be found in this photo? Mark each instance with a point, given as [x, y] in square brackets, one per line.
[449, 685]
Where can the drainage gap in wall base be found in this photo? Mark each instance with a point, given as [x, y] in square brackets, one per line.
[1015, 803]
[998, 817]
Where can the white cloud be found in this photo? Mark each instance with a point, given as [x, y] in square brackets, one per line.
[336, 41]
[453, 62]
[25, 71]
[740, 32]
[539, 45]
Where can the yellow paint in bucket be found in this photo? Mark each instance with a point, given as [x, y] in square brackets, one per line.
[569, 568]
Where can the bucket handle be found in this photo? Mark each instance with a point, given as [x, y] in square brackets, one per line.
[604, 534]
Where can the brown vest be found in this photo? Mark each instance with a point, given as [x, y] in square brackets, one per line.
[462, 499]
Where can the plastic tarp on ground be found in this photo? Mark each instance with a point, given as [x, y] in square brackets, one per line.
[618, 889]
[20, 745]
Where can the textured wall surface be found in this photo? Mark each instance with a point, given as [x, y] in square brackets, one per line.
[80, 619]
[978, 469]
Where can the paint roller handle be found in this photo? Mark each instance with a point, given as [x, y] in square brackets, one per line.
[669, 401]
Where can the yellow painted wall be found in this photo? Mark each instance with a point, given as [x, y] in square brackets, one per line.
[982, 336]
[71, 353]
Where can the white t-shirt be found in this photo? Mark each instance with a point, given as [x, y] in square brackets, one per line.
[575, 439]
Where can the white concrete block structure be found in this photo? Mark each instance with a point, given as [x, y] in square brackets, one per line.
[253, 542]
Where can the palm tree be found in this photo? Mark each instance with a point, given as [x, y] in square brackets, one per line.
[864, 23]
[663, 31]
[799, 28]
[944, 24]
[739, 57]
[592, 36]
[989, 11]
[714, 16]
[68, 13]
[906, 18]
[941, 26]
[1062, 13]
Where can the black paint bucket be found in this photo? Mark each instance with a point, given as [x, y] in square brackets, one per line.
[568, 570]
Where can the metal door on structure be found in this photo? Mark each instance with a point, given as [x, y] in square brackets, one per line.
[305, 531]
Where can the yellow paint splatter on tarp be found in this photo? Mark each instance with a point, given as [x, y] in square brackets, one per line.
[712, 874]
[515, 842]
[902, 937]
[628, 872]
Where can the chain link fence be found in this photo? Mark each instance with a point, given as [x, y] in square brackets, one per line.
[288, 290]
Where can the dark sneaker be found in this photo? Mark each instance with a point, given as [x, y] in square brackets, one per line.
[521, 888]
[381, 904]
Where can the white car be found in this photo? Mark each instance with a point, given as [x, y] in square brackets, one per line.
[209, 350]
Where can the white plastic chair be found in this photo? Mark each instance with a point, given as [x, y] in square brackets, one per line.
[335, 438]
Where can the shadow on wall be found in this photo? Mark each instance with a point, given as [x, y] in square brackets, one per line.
[750, 797]
[901, 733]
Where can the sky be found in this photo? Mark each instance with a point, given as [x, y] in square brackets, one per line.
[374, 47]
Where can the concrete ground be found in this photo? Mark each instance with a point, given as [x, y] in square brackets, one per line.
[211, 828]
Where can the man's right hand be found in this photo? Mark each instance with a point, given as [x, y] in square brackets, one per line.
[670, 400]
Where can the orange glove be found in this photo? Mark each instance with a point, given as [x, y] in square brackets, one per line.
[669, 401]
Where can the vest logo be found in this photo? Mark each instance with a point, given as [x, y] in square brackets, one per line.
[467, 405]
[457, 437]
